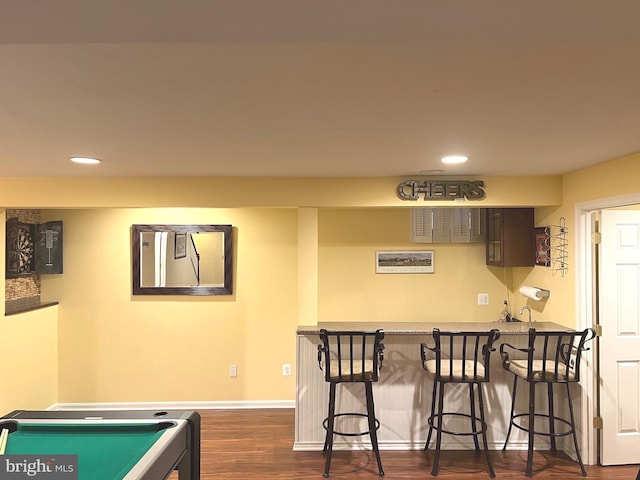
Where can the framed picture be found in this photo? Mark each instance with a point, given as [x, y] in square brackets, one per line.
[181, 245]
[408, 261]
[543, 246]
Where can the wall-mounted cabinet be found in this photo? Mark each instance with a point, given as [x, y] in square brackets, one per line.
[510, 237]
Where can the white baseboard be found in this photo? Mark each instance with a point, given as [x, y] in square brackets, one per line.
[174, 405]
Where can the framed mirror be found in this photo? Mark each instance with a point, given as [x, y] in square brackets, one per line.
[182, 259]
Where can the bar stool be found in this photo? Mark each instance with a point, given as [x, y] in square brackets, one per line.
[458, 357]
[350, 357]
[551, 358]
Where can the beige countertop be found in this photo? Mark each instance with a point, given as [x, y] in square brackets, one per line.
[425, 328]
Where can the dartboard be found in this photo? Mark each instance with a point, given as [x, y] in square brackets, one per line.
[21, 250]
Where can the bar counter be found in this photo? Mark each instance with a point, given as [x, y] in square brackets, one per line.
[403, 393]
[425, 328]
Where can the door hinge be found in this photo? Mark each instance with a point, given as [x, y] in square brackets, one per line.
[598, 329]
[597, 423]
[596, 238]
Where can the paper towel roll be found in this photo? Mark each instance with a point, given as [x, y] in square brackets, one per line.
[533, 292]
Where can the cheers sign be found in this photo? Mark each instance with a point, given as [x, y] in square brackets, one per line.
[441, 189]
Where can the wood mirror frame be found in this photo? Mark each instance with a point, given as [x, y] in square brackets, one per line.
[179, 251]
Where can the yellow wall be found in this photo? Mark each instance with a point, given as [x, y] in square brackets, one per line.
[350, 290]
[29, 372]
[606, 180]
[119, 348]
[236, 192]
[112, 347]
[3, 245]
[612, 179]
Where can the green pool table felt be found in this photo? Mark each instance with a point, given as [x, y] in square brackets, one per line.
[105, 451]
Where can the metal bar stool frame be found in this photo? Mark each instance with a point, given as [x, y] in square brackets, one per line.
[552, 357]
[351, 357]
[459, 358]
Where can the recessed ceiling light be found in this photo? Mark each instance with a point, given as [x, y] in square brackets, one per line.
[85, 160]
[431, 172]
[455, 159]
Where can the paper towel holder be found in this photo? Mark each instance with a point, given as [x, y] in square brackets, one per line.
[534, 293]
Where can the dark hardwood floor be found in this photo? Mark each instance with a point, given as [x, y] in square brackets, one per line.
[257, 444]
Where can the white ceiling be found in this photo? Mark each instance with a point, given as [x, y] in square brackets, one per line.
[317, 88]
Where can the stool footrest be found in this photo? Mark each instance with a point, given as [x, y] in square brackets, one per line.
[543, 415]
[351, 434]
[477, 420]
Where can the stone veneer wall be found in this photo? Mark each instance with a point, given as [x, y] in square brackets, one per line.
[23, 292]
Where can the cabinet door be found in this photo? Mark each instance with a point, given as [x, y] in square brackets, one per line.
[510, 237]
[48, 247]
[494, 236]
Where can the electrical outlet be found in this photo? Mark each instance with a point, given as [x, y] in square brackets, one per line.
[233, 370]
[483, 299]
[286, 369]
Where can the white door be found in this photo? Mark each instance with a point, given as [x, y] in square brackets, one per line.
[619, 315]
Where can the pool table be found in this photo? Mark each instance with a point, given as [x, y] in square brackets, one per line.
[111, 444]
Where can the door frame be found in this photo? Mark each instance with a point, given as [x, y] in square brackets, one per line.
[584, 313]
